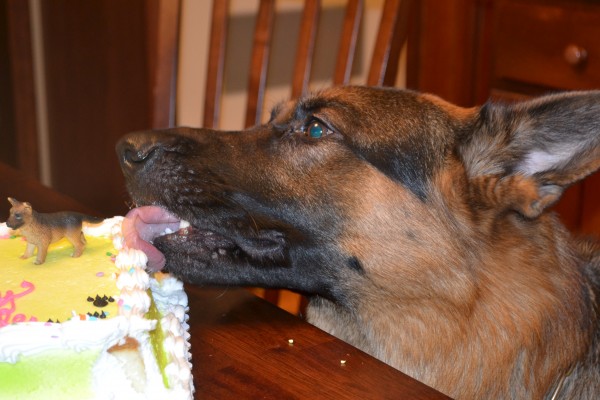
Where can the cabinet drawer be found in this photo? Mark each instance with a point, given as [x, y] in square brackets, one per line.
[547, 45]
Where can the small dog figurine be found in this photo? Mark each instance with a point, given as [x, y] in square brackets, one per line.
[40, 230]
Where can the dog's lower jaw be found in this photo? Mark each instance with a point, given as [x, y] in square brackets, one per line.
[14, 225]
[228, 265]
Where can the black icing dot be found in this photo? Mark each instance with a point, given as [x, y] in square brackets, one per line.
[101, 301]
[96, 314]
[90, 299]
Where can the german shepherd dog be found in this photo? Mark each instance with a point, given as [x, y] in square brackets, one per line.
[419, 230]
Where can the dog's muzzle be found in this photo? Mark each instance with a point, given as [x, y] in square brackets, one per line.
[138, 148]
[137, 152]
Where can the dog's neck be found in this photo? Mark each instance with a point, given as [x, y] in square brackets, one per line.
[419, 342]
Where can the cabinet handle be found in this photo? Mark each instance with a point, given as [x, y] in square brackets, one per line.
[575, 55]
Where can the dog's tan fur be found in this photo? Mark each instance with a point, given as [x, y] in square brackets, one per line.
[459, 275]
[487, 312]
[40, 230]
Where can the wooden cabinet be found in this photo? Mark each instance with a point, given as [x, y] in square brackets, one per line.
[510, 50]
[541, 46]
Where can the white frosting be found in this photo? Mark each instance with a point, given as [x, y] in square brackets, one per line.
[134, 278]
[131, 258]
[5, 231]
[30, 338]
[109, 227]
[167, 293]
[110, 377]
[133, 302]
[111, 380]
[171, 301]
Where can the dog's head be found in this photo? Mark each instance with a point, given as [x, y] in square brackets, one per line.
[354, 183]
[20, 214]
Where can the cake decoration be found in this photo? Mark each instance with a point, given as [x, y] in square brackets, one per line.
[40, 230]
[100, 301]
[8, 305]
[122, 333]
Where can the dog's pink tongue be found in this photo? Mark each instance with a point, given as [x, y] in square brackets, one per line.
[142, 225]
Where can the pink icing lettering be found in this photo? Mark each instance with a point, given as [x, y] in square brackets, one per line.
[8, 305]
[19, 318]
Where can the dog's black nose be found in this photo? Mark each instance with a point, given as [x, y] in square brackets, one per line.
[137, 148]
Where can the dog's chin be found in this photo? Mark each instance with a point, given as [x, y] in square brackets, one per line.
[14, 225]
[189, 251]
[178, 247]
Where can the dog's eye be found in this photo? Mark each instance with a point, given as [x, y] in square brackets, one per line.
[316, 129]
[18, 216]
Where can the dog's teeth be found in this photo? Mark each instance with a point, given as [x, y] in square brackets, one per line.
[183, 224]
[214, 255]
[167, 231]
[222, 252]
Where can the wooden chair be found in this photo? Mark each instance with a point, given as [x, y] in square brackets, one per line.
[164, 16]
[24, 144]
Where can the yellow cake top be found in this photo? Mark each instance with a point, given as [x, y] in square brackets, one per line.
[60, 289]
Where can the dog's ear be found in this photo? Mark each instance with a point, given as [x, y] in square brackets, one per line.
[523, 156]
[16, 203]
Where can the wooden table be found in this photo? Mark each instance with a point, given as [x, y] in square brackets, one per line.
[241, 350]
[240, 343]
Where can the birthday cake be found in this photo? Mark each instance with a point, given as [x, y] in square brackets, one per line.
[96, 326]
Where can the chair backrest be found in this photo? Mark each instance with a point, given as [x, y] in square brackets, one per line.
[164, 19]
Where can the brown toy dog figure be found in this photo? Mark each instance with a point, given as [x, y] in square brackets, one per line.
[40, 230]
